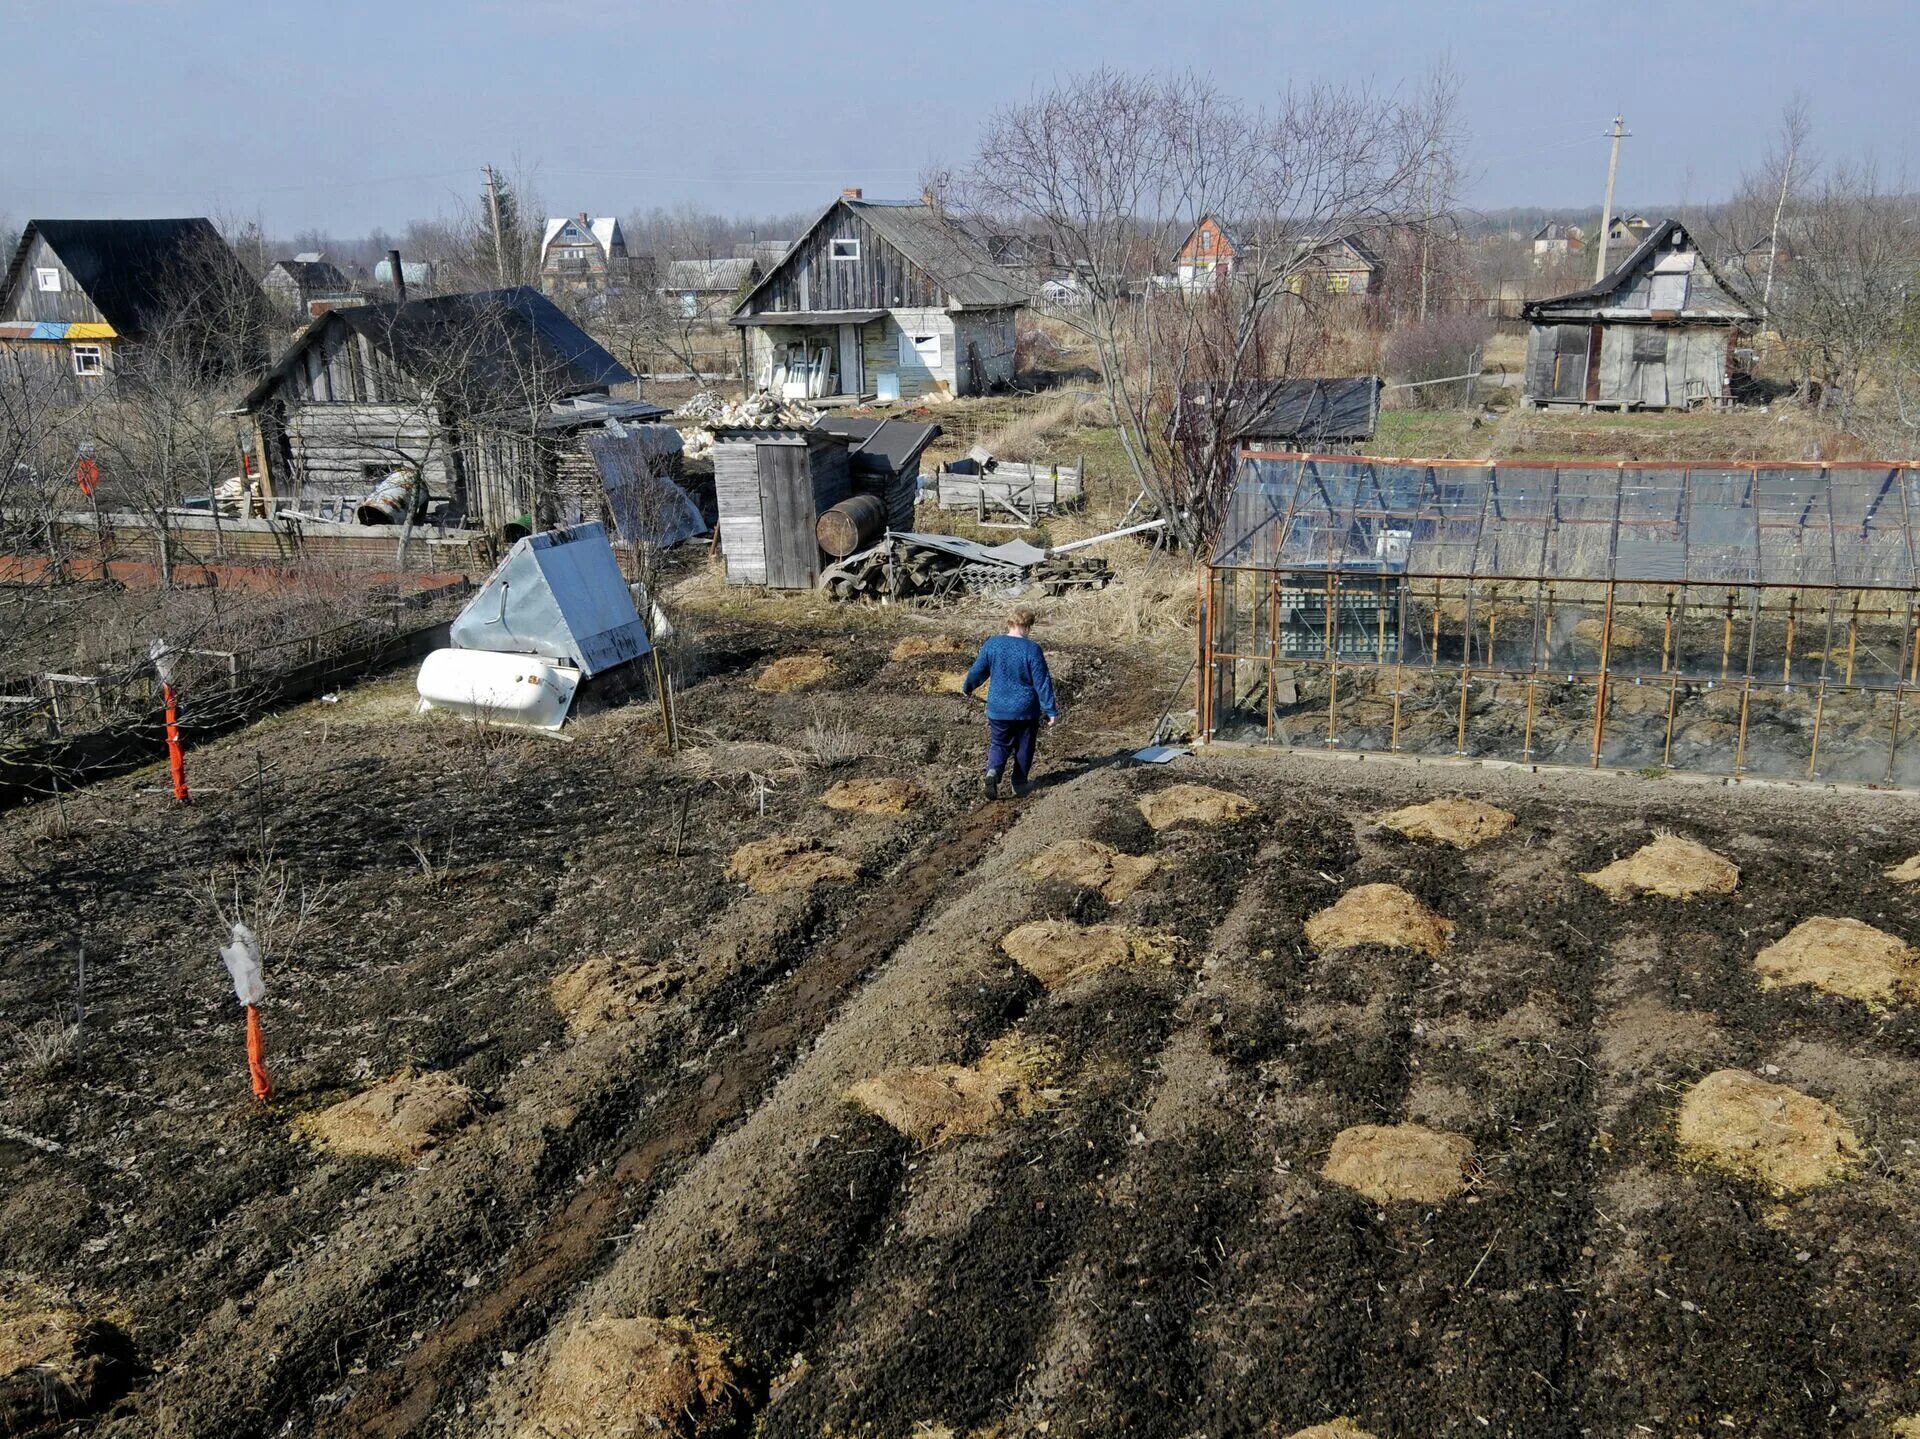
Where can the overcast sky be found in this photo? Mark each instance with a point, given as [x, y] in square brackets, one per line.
[349, 115]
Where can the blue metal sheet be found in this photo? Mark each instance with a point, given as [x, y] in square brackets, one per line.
[50, 330]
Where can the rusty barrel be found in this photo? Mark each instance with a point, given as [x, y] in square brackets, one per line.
[851, 525]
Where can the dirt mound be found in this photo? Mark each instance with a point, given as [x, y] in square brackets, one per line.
[1843, 956]
[1378, 914]
[1399, 1161]
[913, 646]
[609, 1377]
[1667, 865]
[55, 1363]
[1338, 1429]
[402, 1117]
[788, 861]
[1783, 1138]
[1590, 633]
[1055, 951]
[933, 1102]
[793, 672]
[1194, 804]
[607, 989]
[1906, 872]
[950, 682]
[1462, 823]
[873, 796]
[1093, 865]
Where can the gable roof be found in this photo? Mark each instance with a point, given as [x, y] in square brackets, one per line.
[133, 270]
[498, 334]
[1233, 245]
[724, 274]
[938, 242]
[604, 230]
[313, 274]
[890, 446]
[1642, 254]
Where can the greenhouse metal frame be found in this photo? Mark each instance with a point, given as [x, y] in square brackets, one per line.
[1733, 619]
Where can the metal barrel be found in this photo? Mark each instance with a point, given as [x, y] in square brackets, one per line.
[390, 501]
[851, 525]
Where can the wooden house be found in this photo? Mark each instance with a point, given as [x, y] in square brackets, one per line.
[1207, 257]
[479, 397]
[1553, 241]
[708, 289]
[772, 484]
[79, 292]
[1345, 265]
[895, 300]
[294, 285]
[583, 256]
[1657, 333]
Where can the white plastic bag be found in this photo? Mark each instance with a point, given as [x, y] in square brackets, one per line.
[241, 955]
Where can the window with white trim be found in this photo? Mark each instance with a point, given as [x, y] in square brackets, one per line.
[47, 278]
[88, 360]
[921, 350]
[846, 249]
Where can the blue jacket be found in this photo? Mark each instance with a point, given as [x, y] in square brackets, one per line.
[1021, 689]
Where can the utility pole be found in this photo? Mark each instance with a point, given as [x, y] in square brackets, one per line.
[500, 249]
[1606, 210]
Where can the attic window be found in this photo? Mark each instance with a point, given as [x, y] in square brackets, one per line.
[47, 279]
[846, 249]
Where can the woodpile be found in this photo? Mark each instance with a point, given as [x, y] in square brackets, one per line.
[901, 569]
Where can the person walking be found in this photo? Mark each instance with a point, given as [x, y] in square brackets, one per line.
[1019, 696]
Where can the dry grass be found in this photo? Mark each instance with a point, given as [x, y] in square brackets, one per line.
[829, 741]
[1058, 951]
[1778, 1136]
[1382, 914]
[47, 1048]
[1462, 823]
[1194, 804]
[621, 1376]
[934, 1102]
[1845, 957]
[1387, 1162]
[1668, 866]
[1092, 865]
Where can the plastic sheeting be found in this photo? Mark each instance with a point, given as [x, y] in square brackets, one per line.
[1845, 525]
[559, 594]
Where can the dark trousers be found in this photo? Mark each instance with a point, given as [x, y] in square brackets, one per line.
[1011, 739]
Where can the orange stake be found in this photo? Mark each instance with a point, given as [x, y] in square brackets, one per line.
[257, 1054]
[176, 758]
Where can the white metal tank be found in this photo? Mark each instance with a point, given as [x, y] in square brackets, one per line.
[524, 691]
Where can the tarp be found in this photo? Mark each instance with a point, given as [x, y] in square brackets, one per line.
[559, 594]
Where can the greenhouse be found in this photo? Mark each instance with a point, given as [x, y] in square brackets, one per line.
[1743, 620]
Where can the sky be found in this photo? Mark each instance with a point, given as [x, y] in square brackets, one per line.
[346, 116]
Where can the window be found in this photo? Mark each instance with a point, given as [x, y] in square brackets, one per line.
[846, 249]
[920, 350]
[47, 279]
[88, 360]
[1339, 283]
[1206, 241]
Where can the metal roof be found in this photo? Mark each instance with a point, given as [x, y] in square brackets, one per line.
[807, 317]
[1618, 275]
[314, 274]
[888, 446]
[1301, 411]
[559, 594]
[498, 337]
[135, 271]
[1845, 525]
[726, 275]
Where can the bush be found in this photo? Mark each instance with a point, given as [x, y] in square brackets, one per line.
[1432, 350]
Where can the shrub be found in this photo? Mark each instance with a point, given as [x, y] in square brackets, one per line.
[1433, 349]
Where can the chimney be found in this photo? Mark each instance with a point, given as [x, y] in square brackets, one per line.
[584, 222]
[399, 276]
[852, 192]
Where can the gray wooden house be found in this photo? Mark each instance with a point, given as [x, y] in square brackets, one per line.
[78, 293]
[293, 285]
[1657, 333]
[896, 300]
[481, 397]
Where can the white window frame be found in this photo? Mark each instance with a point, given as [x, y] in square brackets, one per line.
[844, 247]
[93, 354]
[922, 351]
[47, 279]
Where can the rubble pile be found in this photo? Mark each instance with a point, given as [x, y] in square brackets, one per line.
[760, 410]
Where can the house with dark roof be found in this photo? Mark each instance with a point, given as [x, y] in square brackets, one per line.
[79, 292]
[898, 301]
[1207, 256]
[1658, 333]
[478, 399]
[294, 285]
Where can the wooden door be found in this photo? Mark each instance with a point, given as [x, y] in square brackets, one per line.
[852, 380]
[1593, 364]
[787, 518]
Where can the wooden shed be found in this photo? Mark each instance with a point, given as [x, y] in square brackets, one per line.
[1657, 333]
[772, 485]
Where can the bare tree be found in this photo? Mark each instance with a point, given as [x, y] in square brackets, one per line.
[1114, 170]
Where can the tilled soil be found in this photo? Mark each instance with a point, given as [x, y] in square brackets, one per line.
[1146, 1247]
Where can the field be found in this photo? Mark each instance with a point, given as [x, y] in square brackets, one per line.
[703, 1106]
